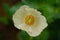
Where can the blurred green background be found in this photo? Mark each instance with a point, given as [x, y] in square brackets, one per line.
[49, 8]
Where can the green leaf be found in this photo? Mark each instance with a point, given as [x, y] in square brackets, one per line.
[24, 2]
[47, 11]
[31, 4]
[15, 7]
[50, 2]
[4, 20]
[7, 8]
[51, 13]
[22, 35]
[44, 35]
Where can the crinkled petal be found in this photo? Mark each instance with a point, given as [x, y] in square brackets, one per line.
[38, 26]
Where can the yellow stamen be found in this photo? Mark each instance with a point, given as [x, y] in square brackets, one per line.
[29, 20]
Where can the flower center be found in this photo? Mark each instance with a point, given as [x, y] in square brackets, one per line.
[29, 20]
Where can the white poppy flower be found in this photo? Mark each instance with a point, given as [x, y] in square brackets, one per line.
[29, 20]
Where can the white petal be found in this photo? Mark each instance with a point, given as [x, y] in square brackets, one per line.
[19, 15]
[36, 30]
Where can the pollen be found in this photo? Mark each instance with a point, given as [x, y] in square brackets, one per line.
[29, 20]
